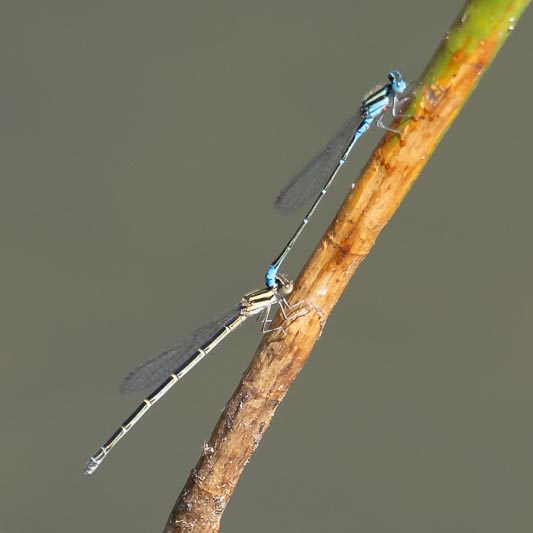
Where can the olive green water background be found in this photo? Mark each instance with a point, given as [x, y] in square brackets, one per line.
[142, 145]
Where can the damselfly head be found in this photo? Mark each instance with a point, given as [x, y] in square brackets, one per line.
[284, 285]
[397, 82]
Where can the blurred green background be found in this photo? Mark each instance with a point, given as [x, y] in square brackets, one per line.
[143, 144]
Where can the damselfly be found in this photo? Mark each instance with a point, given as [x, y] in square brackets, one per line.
[170, 366]
[327, 163]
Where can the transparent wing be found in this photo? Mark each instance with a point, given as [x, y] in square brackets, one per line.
[154, 371]
[308, 182]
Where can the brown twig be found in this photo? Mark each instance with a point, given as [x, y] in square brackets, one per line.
[452, 74]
